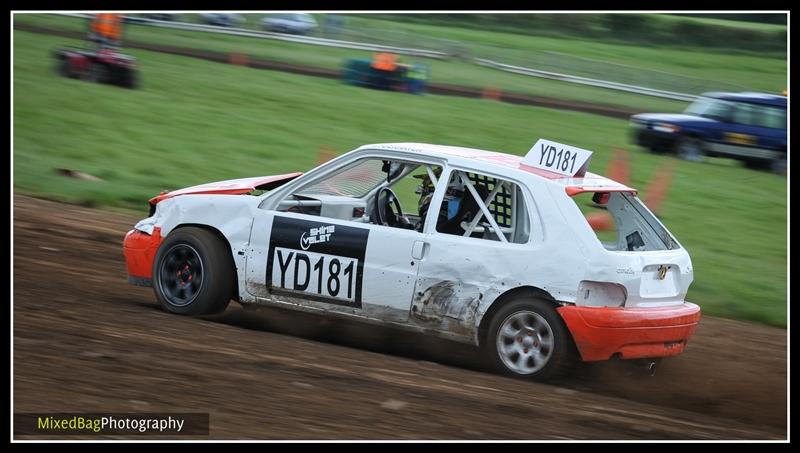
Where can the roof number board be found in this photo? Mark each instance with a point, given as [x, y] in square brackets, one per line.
[558, 158]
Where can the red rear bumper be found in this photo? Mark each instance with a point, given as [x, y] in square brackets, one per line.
[140, 251]
[633, 333]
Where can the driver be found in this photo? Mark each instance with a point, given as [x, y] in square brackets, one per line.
[448, 220]
[106, 30]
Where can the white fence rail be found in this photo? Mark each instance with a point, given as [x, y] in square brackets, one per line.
[585, 80]
[278, 36]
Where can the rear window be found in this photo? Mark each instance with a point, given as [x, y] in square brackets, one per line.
[760, 115]
[623, 223]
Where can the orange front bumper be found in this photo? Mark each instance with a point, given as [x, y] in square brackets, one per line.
[633, 333]
[140, 251]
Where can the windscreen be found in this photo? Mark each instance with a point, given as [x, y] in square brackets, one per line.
[354, 181]
[709, 108]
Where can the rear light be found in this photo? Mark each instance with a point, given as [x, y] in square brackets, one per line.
[600, 294]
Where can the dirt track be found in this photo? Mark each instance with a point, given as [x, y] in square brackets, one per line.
[85, 340]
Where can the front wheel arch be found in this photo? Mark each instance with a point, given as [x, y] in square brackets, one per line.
[227, 244]
[193, 273]
[690, 147]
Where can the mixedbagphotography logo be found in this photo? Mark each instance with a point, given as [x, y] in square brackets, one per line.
[111, 424]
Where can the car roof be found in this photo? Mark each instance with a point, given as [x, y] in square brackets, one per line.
[505, 163]
[750, 97]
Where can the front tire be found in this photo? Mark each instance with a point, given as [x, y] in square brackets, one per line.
[527, 338]
[193, 273]
[97, 73]
[64, 68]
[691, 149]
[128, 78]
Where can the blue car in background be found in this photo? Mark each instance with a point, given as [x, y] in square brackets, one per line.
[293, 23]
[223, 19]
[750, 127]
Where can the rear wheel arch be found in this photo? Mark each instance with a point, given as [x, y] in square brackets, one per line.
[543, 349]
[532, 292]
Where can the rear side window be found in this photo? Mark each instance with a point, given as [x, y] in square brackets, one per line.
[774, 117]
[623, 223]
[483, 207]
[760, 115]
[746, 114]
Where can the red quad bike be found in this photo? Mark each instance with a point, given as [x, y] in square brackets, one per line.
[101, 66]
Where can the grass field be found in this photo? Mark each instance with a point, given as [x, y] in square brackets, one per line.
[768, 74]
[195, 121]
[726, 22]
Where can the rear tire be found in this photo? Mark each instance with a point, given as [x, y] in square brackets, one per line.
[757, 164]
[128, 78]
[527, 338]
[193, 273]
[779, 166]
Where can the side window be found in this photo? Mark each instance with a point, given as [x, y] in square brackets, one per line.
[721, 110]
[483, 207]
[772, 117]
[745, 114]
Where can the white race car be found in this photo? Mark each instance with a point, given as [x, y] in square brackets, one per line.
[507, 261]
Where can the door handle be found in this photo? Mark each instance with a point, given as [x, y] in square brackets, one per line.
[418, 250]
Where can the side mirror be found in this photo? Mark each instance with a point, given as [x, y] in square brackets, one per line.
[392, 170]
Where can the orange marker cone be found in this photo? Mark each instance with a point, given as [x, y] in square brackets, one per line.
[492, 93]
[240, 59]
[325, 154]
[659, 185]
[600, 221]
[619, 166]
